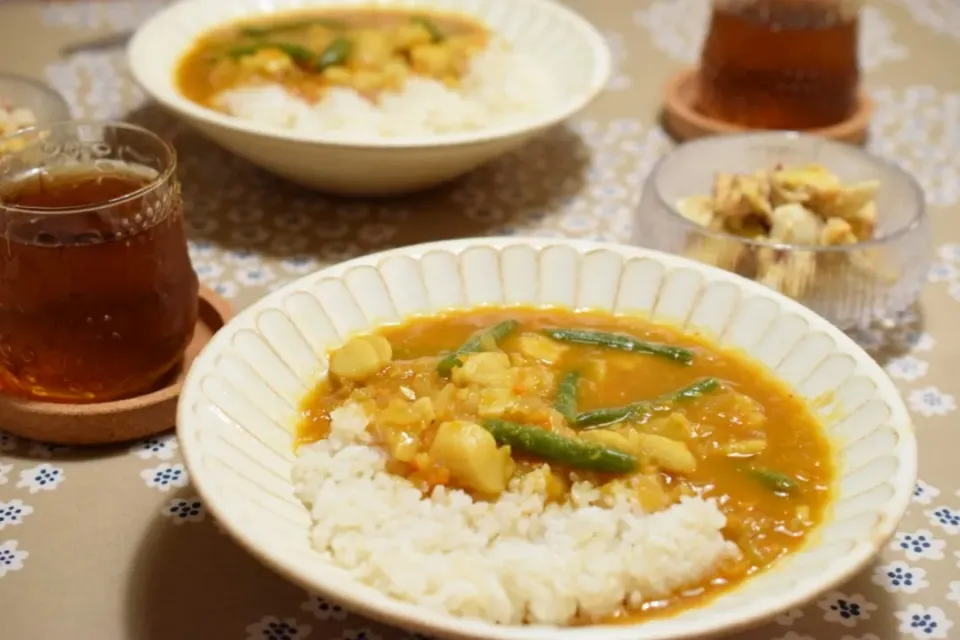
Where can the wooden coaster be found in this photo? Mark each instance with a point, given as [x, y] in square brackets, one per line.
[120, 420]
[684, 122]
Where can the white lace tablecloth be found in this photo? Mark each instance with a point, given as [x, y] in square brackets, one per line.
[115, 544]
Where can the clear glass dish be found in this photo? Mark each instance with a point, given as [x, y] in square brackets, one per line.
[853, 286]
[21, 92]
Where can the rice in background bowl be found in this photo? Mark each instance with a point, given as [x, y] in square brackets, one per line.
[502, 88]
[571, 58]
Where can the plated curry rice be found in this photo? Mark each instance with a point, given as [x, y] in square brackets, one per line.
[364, 71]
[545, 466]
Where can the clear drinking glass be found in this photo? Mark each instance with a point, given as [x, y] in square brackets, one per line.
[780, 64]
[850, 285]
[98, 298]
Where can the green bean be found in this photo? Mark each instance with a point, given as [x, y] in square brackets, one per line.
[496, 332]
[603, 418]
[613, 415]
[295, 51]
[779, 483]
[435, 33]
[697, 389]
[337, 52]
[293, 25]
[566, 401]
[621, 342]
[557, 448]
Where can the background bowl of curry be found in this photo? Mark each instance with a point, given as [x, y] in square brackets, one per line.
[238, 410]
[565, 49]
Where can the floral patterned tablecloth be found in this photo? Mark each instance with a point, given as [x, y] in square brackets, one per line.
[114, 544]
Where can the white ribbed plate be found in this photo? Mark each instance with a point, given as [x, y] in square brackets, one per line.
[237, 409]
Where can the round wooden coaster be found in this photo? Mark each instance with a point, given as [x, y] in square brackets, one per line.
[120, 420]
[684, 122]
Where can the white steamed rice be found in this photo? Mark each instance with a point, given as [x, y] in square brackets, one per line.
[501, 87]
[510, 561]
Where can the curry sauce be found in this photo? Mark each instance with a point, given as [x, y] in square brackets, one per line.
[367, 49]
[700, 421]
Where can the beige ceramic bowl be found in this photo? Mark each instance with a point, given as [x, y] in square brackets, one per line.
[238, 408]
[571, 52]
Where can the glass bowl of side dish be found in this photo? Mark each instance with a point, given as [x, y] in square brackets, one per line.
[24, 102]
[521, 438]
[362, 99]
[828, 224]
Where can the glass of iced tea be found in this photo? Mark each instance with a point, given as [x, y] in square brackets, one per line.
[781, 64]
[98, 298]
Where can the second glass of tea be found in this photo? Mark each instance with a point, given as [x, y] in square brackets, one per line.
[98, 297]
[781, 64]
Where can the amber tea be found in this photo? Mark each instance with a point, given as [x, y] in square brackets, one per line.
[780, 64]
[98, 298]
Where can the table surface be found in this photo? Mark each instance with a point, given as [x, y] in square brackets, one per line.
[97, 544]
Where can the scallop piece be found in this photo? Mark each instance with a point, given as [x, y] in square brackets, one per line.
[697, 209]
[803, 184]
[486, 369]
[671, 455]
[271, 62]
[361, 357]
[471, 455]
[795, 224]
[864, 223]
[837, 231]
[756, 190]
[738, 199]
[849, 201]
[371, 50]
